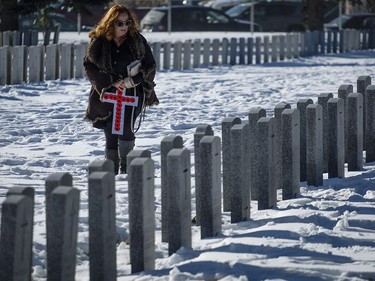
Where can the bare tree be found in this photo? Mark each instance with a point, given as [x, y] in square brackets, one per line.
[370, 6]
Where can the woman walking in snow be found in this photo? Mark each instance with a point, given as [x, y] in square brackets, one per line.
[121, 68]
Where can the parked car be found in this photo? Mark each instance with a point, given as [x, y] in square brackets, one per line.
[192, 18]
[356, 21]
[224, 5]
[272, 16]
[29, 22]
[186, 2]
[140, 12]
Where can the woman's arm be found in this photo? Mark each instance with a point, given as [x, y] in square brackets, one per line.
[98, 78]
[149, 64]
[95, 64]
[148, 68]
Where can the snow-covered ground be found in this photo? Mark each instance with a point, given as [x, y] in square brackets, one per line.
[327, 233]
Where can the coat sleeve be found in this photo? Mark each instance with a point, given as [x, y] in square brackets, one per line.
[98, 78]
[149, 67]
[97, 75]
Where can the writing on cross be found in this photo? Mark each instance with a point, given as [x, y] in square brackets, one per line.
[119, 100]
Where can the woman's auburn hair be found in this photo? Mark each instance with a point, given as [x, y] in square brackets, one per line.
[105, 27]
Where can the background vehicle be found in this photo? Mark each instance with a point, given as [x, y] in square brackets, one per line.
[192, 18]
[224, 5]
[272, 16]
[356, 21]
[29, 22]
[185, 2]
[140, 12]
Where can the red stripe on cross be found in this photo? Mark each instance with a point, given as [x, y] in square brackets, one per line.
[119, 100]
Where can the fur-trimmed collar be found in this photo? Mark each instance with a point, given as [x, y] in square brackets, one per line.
[99, 53]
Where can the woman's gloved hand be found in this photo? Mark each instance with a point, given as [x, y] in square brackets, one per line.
[135, 77]
[129, 83]
[119, 85]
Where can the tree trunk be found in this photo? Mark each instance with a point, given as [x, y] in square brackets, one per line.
[8, 15]
[315, 14]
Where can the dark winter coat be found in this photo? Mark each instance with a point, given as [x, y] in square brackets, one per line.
[106, 63]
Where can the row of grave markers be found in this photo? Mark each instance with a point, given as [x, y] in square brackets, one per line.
[29, 37]
[290, 146]
[22, 63]
[40, 63]
[259, 49]
[62, 213]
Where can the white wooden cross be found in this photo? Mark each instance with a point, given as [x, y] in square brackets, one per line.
[119, 100]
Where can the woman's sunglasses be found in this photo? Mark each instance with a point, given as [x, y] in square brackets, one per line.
[121, 23]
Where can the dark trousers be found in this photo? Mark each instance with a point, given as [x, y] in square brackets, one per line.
[111, 140]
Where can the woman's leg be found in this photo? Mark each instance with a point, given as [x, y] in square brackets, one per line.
[111, 146]
[127, 140]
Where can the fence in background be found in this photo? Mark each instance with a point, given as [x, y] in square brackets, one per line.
[19, 64]
[295, 144]
[258, 50]
[29, 37]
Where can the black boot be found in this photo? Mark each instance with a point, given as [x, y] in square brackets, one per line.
[124, 147]
[112, 154]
